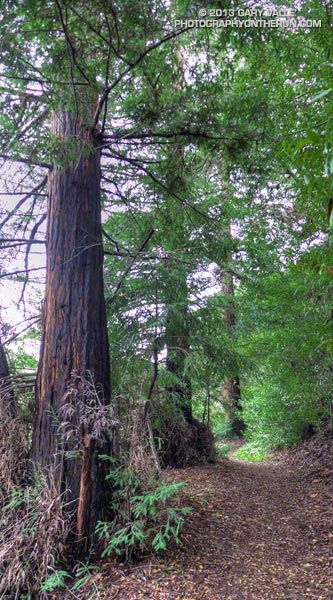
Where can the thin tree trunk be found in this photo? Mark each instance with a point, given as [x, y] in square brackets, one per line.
[231, 388]
[74, 331]
[178, 347]
[6, 387]
[177, 335]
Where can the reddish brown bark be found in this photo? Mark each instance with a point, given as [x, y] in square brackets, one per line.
[74, 337]
[231, 388]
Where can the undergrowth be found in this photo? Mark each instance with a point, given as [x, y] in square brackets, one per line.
[147, 515]
[33, 527]
[223, 449]
[33, 530]
[252, 452]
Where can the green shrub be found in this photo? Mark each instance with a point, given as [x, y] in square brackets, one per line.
[54, 581]
[145, 517]
[252, 452]
[276, 416]
[223, 449]
[223, 430]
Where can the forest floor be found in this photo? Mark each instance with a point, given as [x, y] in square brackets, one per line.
[257, 531]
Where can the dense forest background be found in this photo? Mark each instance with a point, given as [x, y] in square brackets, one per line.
[170, 188]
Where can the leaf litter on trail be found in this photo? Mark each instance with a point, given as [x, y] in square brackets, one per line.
[256, 532]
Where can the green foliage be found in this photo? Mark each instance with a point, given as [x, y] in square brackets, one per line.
[84, 574]
[276, 417]
[223, 430]
[20, 359]
[289, 340]
[145, 515]
[223, 449]
[55, 581]
[252, 452]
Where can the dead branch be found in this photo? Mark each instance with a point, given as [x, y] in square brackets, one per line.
[26, 197]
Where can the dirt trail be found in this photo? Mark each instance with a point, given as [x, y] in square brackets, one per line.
[268, 534]
[257, 532]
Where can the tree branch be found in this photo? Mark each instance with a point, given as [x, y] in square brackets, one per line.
[110, 87]
[120, 283]
[26, 161]
[12, 243]
[21, 271]
[27, 252]
[136, 163]
[24, 199]
[118, 136]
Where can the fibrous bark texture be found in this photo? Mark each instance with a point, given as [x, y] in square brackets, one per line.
[74, 335]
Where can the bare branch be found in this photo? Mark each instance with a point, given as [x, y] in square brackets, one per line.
[70, 47]
[12, 273]
[27, 252]
[43, 81]
[16, 335]
[6, 330]
[120, 283]
[110, 87]
[32, 123]
[27, 161]
[138, 164]
[13, 243]
[23, 200]
[123, 135]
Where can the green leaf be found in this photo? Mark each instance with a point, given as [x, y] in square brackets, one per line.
[56, 580]
[314, 136]
[331, 165]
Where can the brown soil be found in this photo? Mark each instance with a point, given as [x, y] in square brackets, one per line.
[258, 531]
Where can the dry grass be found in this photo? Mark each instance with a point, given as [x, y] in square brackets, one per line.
[33, 525]
[14, 444]
[142, 455]
[84, 409]
[34, 528]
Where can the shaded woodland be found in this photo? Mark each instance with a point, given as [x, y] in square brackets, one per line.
[166, 230]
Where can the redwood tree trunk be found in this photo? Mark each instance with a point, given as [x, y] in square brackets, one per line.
[231, 388]
[74, 333]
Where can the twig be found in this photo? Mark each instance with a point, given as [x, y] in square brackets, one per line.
[144, 243]
[112, 85]
[24, 199]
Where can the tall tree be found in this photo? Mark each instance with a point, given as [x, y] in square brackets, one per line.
[231, 386]
[73, 64]
[74, 328]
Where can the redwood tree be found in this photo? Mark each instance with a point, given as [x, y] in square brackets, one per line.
[74, 332]
[103, 74]
[67, 66]
[231, 387]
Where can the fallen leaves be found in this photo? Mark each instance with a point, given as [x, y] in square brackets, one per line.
[256, 532]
